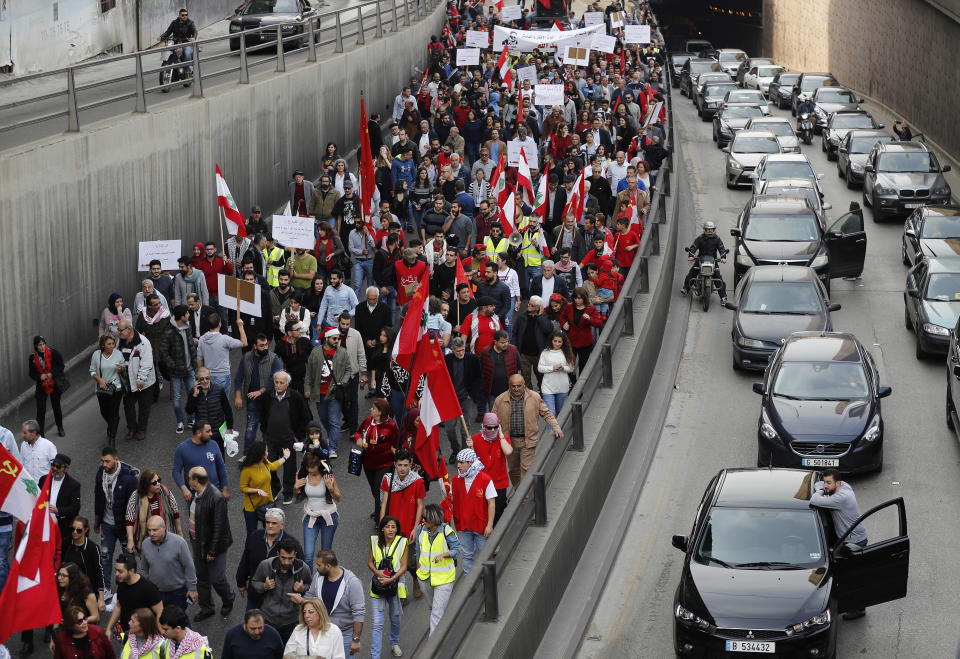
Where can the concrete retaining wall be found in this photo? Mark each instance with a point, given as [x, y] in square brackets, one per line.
[75, 206]
[902, 53]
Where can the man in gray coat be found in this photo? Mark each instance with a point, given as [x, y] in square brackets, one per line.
[167, 563]
[276, 580]
[301, 189]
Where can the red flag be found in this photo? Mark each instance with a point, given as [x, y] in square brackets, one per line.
[498, 180]
[616, 104]
[446, 503]
[499, 5]
[414, 323]
[508, 213]
[368, 173]
[556, 23]
[461, 277]
[525, 180]
[438, 401]
[30, 598]
[236, 224]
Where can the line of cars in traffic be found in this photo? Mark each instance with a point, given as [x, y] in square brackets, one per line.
[764, 571]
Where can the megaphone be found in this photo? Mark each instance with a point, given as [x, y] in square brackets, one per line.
[515, 239]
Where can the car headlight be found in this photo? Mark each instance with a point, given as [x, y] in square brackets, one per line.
[743, 259]
[857, 167]
[683, 615]
[879, 188]
[873, 430]
[820, 260]
[936, 330]
[725, 128]
[235, 28]
[712, 104]
[749, 343]
[943, 190]
[733, 164]
[820, 620]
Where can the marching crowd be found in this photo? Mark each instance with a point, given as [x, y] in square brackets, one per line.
[523, 260]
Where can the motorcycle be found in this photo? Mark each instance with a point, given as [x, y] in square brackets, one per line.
[174, 74]
[702, 284]
[806, 128]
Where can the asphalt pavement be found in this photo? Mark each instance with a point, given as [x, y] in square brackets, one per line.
[712, 424]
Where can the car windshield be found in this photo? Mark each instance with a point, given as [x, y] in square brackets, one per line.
[789, 79]
[742, 113]
[781, 128]
[679, 60]
[761, 538]
[788, 169]
[821, 381]
[785, 297]
[747, 144]
[851, 121]
[810, 84]
[865, 144]
[809, 193]
[732, 57]
[745, 97]
[917, 162]
[703, 67]
[943, 287]
[938, 226]
[836, 96]
[768, 71]
[782, 228]
[716, 90]
[272, 7]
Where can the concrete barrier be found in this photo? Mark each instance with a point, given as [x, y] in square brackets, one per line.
[75, 206]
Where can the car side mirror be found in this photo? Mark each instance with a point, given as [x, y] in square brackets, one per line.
[911, 232]
[238, 10]
[956, 370]
[819, 176]
[726, 149]
[680, 542]
[868, 168]
[884, 391]
[827, 205]
[945, 168]
[759, 388]
[879, 126]
[731, 306]
[735, 232]
[912, 292]
[834, 307]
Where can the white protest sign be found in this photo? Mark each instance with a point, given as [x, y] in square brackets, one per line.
[511, 13]
[168, 251]
[576, 56]
[593, 18]
[514, 149]
[616, 19]
[527, 73]
[528, 40]
[468, 56]
[548, 95]
[294, 231]
[653, 114]
[239, 295]
[636, 34]
[477, 39]
[603, 43]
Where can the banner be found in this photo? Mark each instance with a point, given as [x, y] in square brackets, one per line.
[294, 231]
[510, 13]
[603, 43]
[514, 149]
[477, 39]
[468, 56]
[636, 34]
[527, 40]
[546, 95]
[168, 251]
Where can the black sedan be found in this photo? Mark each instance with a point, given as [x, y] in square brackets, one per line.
[839, 124]
[765, 574]
[821, 405]
[853, 151]
[771, 303]
[931, 303]
[694, 67]
[264, 13]
[931, 231]
[781, 89]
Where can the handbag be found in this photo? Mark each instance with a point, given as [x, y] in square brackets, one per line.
[62, 383]
[111, 388]
[261, 511]
[384, 590]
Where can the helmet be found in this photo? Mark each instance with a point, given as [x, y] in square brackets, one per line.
[709, 226]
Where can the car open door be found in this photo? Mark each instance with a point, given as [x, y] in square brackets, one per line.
[847, 244]
[876, 573]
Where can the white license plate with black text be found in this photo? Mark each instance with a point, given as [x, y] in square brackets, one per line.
[820, 462]
[912, 204]
[760, 647]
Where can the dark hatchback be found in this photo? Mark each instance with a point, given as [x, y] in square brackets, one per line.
[771, 303]
[780, 90]
[264, 13]
[764, 573]
[694, 67]
[930, 231]
[820, 405]
[931, 303]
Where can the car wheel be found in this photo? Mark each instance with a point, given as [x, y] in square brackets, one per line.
[906, 319]
[949, 405]
[839, 170]
[736, 364]
[879, 464]
[831, 154]
[234, 45]
[823, 147]
[920, 352]
[903, 256]
[719, 146]
[850, 184]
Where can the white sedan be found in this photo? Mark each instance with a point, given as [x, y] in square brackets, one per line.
[759, 77]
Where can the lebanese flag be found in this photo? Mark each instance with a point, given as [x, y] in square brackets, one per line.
[636, 224]
[525, 180]
[446, 503]
[508, 79]
[231, 213]
[367, 171]
[508, 213]
[18, 489]
[556, 23]
[414, 322]
[438, 402]
[498, 180]
[503, 62]
[543, 194]
[30, 598]
[461, 277]
[576, 200]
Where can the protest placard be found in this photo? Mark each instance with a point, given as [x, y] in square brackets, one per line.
[616, 19]
[653, 114]
[513, 153]
[527, 73]
[636, 34]
[294, 231]
[511, 13]
[468, 56]
[477, 39]
[548, 95]
[576, 55]
[593, 18]
[168, 251]
[239, 295]
[603, 43]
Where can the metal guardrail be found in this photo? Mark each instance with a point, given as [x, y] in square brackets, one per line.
[367, 20]
[475, 597]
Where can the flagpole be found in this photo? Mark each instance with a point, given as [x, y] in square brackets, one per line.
[223, 221]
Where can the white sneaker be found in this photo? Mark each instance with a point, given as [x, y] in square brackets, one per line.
[395, 649]
[333, 454]
[179, 428]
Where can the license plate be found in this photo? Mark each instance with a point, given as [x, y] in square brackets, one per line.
[761, 647]
[820, 462]
[912, 205]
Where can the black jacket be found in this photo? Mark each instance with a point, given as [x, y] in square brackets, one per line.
[255, 552]
[544, 327]
[472, 375]
[582, 242]
[86, 557]
[705, 245]
[205, 311]
[501, 295]
[559, 286]
[126, 485]
[294, 357]
[67, 502]
[299, 411]
[172, 354]
[56, 369]
[369, 323]
[180, 30]
[212, 406]
[212, 524]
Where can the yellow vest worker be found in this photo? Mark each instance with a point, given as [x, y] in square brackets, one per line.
[273, 255]
[443, 572]
[494, 248]
[395, 552]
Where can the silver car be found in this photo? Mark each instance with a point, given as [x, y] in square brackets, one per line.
[730, 59]
[798, 187]
[827, 100]
[745, 152]
[901, 176]
[753, 96]
[751, 63]
[780, 127]
[760, 77]
[784, 165]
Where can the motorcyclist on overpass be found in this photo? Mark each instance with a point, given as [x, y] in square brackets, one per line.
[805, 107]
[182, 30]
[707, 243]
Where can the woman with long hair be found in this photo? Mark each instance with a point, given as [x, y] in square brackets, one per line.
[312, 298]
[320, 517]
[379, 358]
[328, 247]
[407, 441]
[388, 562]
[330, 156]
[400, 205]
[45, 367]
[383, 175]
[421, 196]
[479, 188]
[377, 436]
[555, 306]
[578, 320]
[75, 591]
[78, 548]
[472, 133]
[315, 636]
[151, 498]
[557, 362]
[255, 471]
[144, 640]
[583, 123]
[106, 367]
[79, 639]
[341, 175]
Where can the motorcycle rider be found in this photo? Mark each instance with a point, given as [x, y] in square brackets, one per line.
[183, 30]
[805, 107]
[707, 243]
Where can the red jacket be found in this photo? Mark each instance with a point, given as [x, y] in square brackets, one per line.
[511, 359]
[100, 646]
[580, 334]
[211, 270]
[470, 508]
[379, 440]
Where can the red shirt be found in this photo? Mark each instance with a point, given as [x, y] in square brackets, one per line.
[486, 328]
[403, 504]
[620, 252]
[493, 459]
[379, 439]
[470, 508]
[407, 275]
[211, 270]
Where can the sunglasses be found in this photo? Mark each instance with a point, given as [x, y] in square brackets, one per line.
[490, 427]
[77, 530]
[58, 466]
[156, 482]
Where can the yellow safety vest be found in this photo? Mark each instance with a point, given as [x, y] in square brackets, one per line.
[162, 651]
[440, 573]
[273, 271]
[529, 250]
[493, 250]
[523, 222]
[396, 553]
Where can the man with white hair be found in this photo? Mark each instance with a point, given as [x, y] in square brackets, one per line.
[457, 169]
[283, 420]
[548, 283]
[147, 289]
[529, 333]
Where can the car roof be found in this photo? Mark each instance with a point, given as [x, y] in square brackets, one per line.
[754, 133]
[837, 88]
[694, 60]
[809, 74]
[821, 347]
[946, 264]
[731, 50]
[767, 120]
[903, 147]
[765, 488]
[781, 203]
[740, 104]
[869, 132]
[940, 209]
[788, 183]
[788, 157]
[781, 273]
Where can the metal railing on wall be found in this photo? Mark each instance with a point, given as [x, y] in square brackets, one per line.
[476, 597]
[373, 19]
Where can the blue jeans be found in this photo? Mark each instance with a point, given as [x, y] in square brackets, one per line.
[223, 381]
[188, 57]
[604, 293]
[361, 268]
[529, 272]
[390, 298]
[320, 528]
[176, 597]
[250, 521]
[379, 606]
[328, 414]
[253, 423]
[6, 540]
[187, 382]
[508, 319]
[397, 405]
[554, 402]
[471, 543]
[107, 544]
